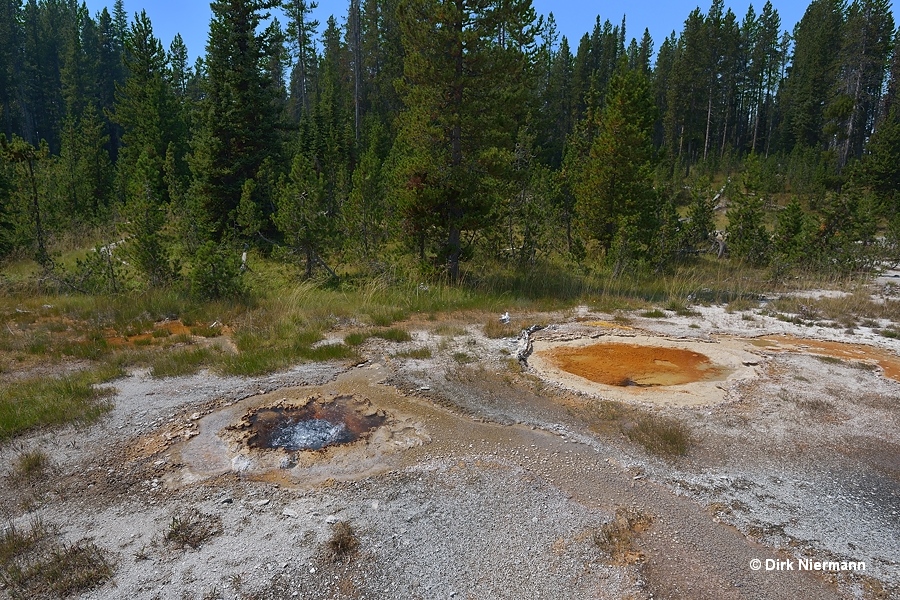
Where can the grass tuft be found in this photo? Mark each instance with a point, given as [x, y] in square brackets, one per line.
[206, 331]
[393, 335]
[494, 329]
[660, 435]
[463, 358]
[191, 528]
[34, 564]
[415, 353]
[30, 465]
[343, 542]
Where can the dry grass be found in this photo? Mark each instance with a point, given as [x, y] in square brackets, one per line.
[30, 465]
[617, 538]
[343, 542]
[35, 564]
[494, 329]
[191, 528]
[660, 435]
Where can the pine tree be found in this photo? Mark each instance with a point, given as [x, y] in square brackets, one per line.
[145, 110]
[557, 109]
[29, 197]
[236, 131]
[792, 234]
[616, 188]
[10, 66]
[864, 55]
[365, 211]
[86, 171]
[812, 76]
[146, 248]
[301, 32]
[302, 213]
[462, 91]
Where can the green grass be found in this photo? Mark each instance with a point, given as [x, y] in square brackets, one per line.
[31, 403]
[463, 358]
[206, 331]
[654, 314]
[393, 334]
[415, 353]
[181, 362]
[357, 338]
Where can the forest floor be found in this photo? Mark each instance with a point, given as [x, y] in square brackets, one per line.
[486, 479]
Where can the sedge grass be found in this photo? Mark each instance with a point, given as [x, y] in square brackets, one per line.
[30, 403]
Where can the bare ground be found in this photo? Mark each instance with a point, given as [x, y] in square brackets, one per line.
[490, 481]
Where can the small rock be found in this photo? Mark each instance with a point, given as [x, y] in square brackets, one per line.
[262, 502]
[289, 513]
[226, 500]
[331, 519]
[195, 416]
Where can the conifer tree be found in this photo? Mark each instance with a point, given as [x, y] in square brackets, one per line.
[301, 32]
[29, 198]
[236, 131]
[461, 91]
[302, 215]
[616, 187]
[812, 76]
[144, 110]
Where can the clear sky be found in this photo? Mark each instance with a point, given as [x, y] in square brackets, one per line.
[574, 17]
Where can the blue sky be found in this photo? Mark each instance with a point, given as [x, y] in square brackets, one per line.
[574, 18]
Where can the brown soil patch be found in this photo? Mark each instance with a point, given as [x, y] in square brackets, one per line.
[170, 327]
[628, 365]
[887, 360]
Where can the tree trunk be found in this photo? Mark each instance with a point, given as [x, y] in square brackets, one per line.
[453, 242]
[708, 122]
[310, 261]
[42, 257]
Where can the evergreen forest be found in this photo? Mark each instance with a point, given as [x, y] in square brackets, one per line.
[438, 137]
